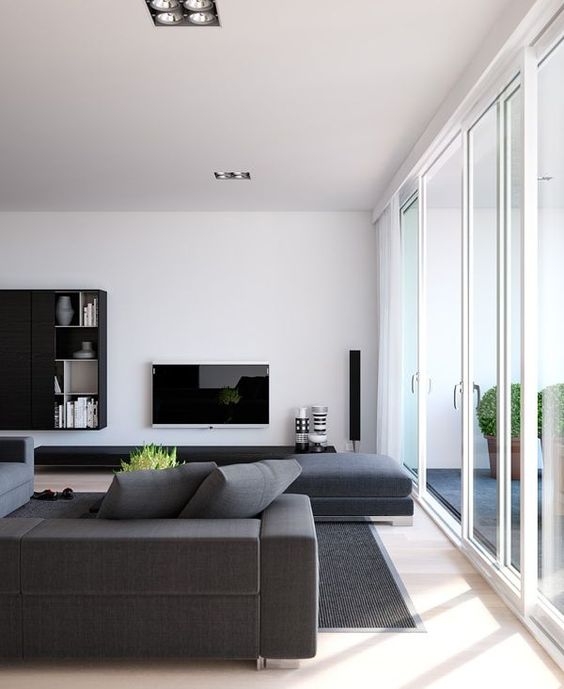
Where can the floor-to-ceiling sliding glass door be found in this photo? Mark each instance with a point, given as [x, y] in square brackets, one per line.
[512, 166]
[484, 247]
[551, 329]
[478, 341]
[409, 228]
[495, 287]
[442, 327]
[484, 161]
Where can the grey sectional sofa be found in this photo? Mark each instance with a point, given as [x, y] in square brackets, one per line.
[16, 473]
[242, 588]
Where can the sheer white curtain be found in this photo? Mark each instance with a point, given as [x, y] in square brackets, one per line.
[389, 410]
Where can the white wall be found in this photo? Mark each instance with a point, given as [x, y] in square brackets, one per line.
[295, 289]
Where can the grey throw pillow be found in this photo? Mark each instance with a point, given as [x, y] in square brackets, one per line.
[240, 491]
[153, 494]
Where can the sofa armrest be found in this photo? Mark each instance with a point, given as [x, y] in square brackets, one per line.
[289, 579]
[18, 449]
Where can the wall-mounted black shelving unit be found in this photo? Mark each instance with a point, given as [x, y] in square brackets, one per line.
[42, 385]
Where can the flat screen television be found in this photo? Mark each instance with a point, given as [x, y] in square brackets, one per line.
[211, 395]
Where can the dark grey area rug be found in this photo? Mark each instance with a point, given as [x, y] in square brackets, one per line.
[76, 508]
[359, 588]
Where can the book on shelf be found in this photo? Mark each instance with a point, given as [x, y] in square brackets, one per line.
[90, 314]
[82, 413]
[57, 385]
[70, 415]
[59, 420]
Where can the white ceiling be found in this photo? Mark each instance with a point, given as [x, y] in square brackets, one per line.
[320, 100]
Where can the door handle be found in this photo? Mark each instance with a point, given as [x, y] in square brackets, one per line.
[414, 377]
[479, 391]
[429, 386]
[457, 387]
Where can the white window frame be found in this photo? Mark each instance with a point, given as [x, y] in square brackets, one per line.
[538, 34]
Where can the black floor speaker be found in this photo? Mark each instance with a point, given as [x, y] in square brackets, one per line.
[354, 394]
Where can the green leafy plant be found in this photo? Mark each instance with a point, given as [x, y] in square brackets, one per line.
[229, 396]
[150, 456]
[551, 408]
[487, 411]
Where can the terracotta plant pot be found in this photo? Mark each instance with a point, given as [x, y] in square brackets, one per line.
[515, 457]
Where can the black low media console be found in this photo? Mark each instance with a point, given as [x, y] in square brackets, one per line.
[111, 455]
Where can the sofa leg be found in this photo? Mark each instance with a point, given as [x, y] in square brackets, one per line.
[277, 664]
[398, 520]
[402, 521]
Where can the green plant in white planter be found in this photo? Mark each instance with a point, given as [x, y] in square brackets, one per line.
[150, 456]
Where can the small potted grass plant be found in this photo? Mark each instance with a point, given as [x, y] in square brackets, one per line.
[150, 456]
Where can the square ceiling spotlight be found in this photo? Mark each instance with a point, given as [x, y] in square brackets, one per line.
[183, 12]
[232, 175]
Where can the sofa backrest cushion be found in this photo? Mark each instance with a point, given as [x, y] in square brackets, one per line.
[241, 491]
[154, 493]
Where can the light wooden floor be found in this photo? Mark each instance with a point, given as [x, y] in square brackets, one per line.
[472, 639]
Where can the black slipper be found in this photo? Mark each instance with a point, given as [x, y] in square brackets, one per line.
[45, 495]
[38, 493]
[67, 494]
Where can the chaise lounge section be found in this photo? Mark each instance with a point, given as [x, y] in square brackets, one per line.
[352, 486]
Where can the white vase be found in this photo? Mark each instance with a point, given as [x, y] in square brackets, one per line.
[64, 311]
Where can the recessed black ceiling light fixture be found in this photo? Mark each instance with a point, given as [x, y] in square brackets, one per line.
[232, 175]
[183, 12]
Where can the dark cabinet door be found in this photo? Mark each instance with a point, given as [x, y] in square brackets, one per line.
[42, 360]
[15, 360]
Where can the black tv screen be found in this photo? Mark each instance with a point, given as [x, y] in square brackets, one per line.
[201, 395]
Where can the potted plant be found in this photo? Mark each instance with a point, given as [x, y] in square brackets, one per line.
[150, 457]
[487, 421]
